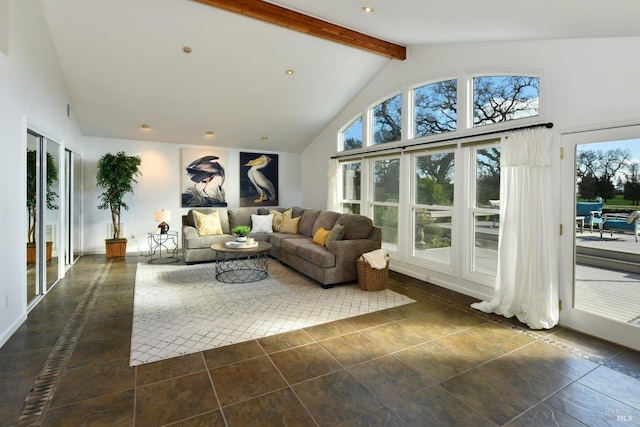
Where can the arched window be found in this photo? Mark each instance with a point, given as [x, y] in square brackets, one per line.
[435, 108]
[387, 120]
[501, 98]
[351, 136]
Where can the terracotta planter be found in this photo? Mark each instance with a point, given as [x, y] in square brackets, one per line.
[116, 248]
[31, 252]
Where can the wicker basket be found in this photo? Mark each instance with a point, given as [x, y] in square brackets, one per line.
[371, 279]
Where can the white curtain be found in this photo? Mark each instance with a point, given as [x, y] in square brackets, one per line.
[527, 277]
[333, 194]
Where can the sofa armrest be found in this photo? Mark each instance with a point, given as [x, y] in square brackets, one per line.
[348, 251]
[188, 232]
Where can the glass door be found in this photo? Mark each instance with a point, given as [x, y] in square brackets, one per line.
[73, 191]
[51, 225]
[43, 218]
[33, 238]
[600, 256]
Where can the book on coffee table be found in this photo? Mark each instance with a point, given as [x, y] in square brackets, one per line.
[241, 245]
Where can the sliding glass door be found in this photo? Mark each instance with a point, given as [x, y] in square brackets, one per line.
[43, 242]
[73, 192]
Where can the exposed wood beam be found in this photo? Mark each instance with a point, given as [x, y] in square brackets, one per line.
[309, 25]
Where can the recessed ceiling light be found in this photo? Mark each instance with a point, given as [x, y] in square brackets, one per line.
[367, 9]
[145, 127]
[186, 49]
[289, 72]
[209, 133]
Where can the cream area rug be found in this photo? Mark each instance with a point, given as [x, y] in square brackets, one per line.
[180, 309]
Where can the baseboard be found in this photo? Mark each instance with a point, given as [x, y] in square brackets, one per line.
[6, 334]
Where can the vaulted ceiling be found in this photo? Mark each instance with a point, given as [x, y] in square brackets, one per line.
[125, 62]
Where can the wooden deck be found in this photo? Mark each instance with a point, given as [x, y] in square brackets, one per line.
[608, 275]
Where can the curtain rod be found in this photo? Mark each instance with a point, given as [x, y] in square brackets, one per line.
[548, 125]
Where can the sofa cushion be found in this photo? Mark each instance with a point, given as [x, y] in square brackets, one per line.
[297, 211]
[207, 224]
[222, 214]
[326, 220]
[336, 233]
[355, 226]
[320, 236]
[240, 216]
[278, 218]
[316, 254]
[262, 223]
[194, 241]
[307, 220]
[277, 239]
[290, 226]
[292, 245]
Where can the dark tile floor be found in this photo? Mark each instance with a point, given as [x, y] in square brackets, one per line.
[433, 363]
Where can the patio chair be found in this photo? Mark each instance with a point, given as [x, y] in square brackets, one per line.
[496, 205]
[621, 222]
[592, 213]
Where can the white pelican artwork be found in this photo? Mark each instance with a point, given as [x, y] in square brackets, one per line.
[265, 188]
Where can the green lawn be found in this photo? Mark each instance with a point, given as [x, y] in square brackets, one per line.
[617, 203]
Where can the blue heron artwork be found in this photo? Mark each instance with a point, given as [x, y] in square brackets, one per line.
[203, 179]
[258, 179]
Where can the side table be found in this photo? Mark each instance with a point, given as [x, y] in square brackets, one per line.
[158, 241]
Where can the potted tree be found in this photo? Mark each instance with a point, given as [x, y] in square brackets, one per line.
[32, 201]
[116, 175]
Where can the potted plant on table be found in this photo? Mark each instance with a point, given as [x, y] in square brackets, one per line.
[241, 232]
[116, 175]
[32, 201]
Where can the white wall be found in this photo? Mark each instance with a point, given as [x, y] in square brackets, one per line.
[33, 92]
[587, 83]
[159, 188]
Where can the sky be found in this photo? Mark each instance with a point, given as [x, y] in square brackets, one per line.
[632, 145]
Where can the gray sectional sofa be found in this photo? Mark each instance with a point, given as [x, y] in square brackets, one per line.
[351, 236]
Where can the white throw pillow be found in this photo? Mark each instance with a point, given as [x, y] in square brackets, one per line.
[262, 223]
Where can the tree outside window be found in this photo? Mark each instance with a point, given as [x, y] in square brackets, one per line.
[387, 120]
[434, 179]
[599, 172]
[487, 176]
[352, 135]
[501, 98]
[351, 176]
[386, 193]
[435, 108]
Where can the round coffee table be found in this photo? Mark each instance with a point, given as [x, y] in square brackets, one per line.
[241, 265]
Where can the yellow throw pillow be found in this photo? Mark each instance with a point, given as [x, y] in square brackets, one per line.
[320, 236]
[290, 225]
[207, 224]
[279, 217]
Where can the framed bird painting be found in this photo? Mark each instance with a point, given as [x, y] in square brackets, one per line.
[203, 178]
[258, 179]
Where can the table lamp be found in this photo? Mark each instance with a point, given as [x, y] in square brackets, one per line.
[163, 215]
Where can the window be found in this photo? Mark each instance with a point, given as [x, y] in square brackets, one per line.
[435, 108]
[387, 120]
[351, 176]
[352, 135]
[502, 98]
[385, 200]
[433, 189]
[486, 218]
